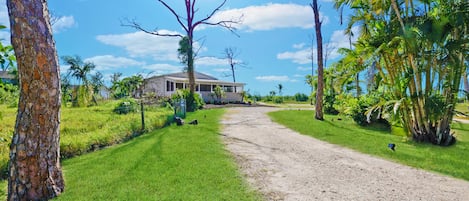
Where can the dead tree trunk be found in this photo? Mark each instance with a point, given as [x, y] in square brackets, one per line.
[34, 168]
[320, 89]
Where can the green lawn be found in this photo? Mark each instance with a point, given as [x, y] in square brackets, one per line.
[86, 129]
[447, 160]
[173, 163]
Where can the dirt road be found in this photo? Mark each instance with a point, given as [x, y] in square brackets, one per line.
[285, 165]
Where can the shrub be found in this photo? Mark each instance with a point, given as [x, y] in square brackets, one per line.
[9, 94]
[277, 99]
[329, 101]
[197, 102]
[300, 97]
[126, 106]
[357, 108]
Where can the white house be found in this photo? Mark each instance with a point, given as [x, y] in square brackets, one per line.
[166, 85]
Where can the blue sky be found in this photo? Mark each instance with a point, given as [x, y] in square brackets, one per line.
[274, 38]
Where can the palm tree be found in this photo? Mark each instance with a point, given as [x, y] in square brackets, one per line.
[80, 71]
[419, 57]
[78, 68]
[280, 88]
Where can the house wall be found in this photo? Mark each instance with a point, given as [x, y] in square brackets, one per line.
[230, 97]
[158, 85]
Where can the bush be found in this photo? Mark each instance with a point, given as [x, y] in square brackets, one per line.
[197, 102]
[358, 107]
[9, 94]
[277, 99]
[329, 101]
[126, 106]
[300, 97]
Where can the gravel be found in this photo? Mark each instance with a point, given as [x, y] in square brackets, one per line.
[285, 165]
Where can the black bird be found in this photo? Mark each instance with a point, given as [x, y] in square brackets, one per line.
[392, 146]
[194, 122]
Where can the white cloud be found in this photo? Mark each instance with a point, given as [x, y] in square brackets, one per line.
[273, 78]
[298, 75]
[270, 16]
[299, 46]
[163, 68]
[300, 57]
[340, 40]
[210, 61]
[4, 19]
[63, 23]
[301, 68]
[222, 70]
[141, 44]
[303, 56]
[107, 62]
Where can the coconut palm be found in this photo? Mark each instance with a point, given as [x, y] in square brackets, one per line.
[78, 68]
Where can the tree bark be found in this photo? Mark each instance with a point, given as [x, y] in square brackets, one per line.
[34, 168]
[320, 90]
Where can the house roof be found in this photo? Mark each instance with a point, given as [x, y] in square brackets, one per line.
[198, 76]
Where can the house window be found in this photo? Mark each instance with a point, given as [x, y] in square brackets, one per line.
[205, 87]
[228, 88]
[169, 86]
[179, 85]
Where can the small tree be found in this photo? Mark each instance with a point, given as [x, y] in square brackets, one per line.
[80, 70]
[219, 93]
[280, 88]
[231, 54]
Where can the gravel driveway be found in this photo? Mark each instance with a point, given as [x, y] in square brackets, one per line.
[285, 165]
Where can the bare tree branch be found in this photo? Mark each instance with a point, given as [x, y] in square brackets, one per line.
[135, 25]
[178, 18]
[209, 16]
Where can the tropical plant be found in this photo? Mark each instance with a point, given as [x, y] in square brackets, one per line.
[7, 55]
[219, 93]
[419, 52]
[185, 94]
[128, 86]
[80, 70]
[97, 82]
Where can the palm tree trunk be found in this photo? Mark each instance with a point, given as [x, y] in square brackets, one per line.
[34, 167]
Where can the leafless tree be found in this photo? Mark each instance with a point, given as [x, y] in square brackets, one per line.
[320, 89]
[189, 23]
[231, 54]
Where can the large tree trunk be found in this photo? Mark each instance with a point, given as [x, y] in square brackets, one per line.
[320, 90]
[34, 168]
[190, 72]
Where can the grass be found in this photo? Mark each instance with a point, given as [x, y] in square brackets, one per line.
[86, 129]
[173, 163]
[451, 161]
